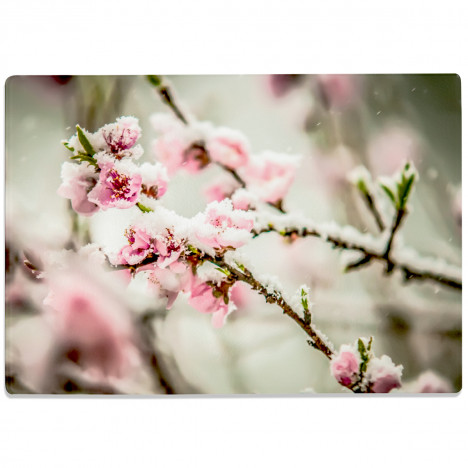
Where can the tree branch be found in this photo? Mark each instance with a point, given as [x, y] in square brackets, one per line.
[274, 297]
[397, 222]
[167, 97]
[410, 272]
[370, 202]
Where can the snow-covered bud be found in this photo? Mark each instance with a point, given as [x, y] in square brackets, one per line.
[345, 366]
[383, 374]
[220, 226]
[121, 135]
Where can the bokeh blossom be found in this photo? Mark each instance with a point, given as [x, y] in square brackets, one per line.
[269, 175]
[77, 181]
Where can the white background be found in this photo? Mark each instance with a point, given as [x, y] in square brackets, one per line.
[245, 36]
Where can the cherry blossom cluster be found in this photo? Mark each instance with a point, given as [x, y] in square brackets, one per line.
[357, 368]
[187, 255]
[103, 173]
[193, 146]
[169, 250]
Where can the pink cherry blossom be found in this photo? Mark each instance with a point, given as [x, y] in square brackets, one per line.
[176, 153]
[221, 226]
[138, 248]
[345, 366]
[228, 148]
[383, 374]
[270, 175]
[203, 299]
[168, 247]
[119, 184]
[239, 294]
[77, 181]
[121, 135]
[242, 199]
[93, 329]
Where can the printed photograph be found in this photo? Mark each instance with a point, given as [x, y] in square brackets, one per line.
[233, 235]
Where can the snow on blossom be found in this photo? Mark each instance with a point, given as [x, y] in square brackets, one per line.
[52, 260]
[160, 235]
[121, 135]
[166, 122]
[77, 181]
[228, 147]
[96, 140]
[154, 180]
[138, 248]
[168, 281]
[93, 254]
[181, 146]
[168, 233]
[221, 226]
[175, 154]
[93, 328]
[269, 175]
[119, 183]
[223, 187]
[345, 366]
[242, 199]
[383, 374]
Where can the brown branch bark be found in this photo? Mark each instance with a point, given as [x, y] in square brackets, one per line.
[409, 272]
[274, 297]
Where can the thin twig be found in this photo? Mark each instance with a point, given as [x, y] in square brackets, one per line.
[397, 222]
[274, 297]
[271, 296]
[369, 199]
[409, 272]
[167, 96]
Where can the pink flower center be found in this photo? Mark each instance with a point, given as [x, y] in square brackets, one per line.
[130, 235]
[119, 184]
[117, 142]
[220, 221]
